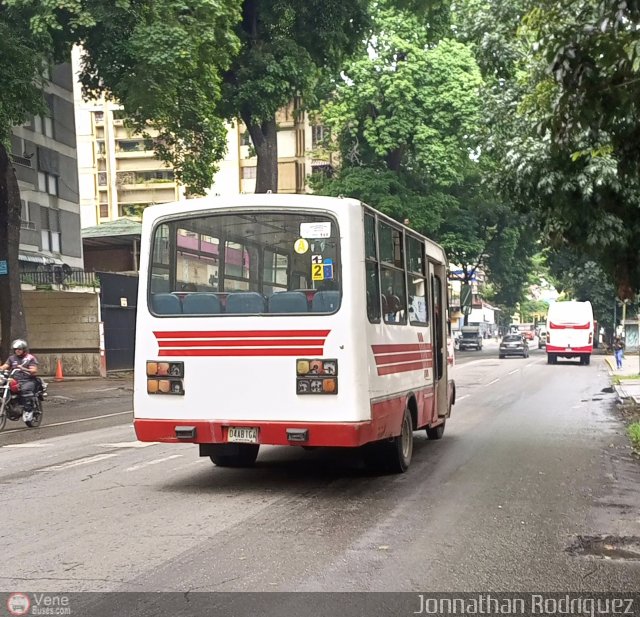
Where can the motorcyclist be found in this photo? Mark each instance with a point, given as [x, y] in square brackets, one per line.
[26, 376]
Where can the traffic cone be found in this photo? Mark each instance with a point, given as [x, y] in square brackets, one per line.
[59, 376]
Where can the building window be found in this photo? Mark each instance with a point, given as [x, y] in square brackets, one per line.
[318, 135]
[47, 183]
[104, 211]
[98, 117]
[245, 140]
[37, 124]
[55, 241]
[249, 173]
[52, 185]
[48, 126]
[102, 178]
[50, 236]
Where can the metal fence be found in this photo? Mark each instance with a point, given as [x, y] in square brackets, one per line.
[66, 277]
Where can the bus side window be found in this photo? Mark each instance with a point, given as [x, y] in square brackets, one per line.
[393, 288]
[371, 269]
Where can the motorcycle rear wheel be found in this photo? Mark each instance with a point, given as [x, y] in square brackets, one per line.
[37, 415]
[3, 420]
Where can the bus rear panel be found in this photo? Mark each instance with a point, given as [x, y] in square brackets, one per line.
[258, 324]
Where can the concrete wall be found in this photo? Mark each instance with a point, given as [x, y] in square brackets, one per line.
[64, 325]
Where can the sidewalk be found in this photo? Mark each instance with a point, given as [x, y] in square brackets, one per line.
[627, 388]
[88, 388]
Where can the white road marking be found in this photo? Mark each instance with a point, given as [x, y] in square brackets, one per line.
[28, 445]
[514, 371]
[492, 382]
[130, 444]
[154, 462]
[459, 398]
[108, 415]
[82, 461]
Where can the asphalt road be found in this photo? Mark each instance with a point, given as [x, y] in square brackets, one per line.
[532, 465]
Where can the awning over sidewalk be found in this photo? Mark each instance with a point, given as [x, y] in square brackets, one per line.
[38, 259]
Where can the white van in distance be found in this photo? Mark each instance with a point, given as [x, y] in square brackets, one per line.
[570, 331]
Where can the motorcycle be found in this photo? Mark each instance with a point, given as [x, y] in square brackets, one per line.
[11, 407]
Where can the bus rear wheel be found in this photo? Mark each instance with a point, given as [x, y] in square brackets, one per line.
[392, 455]
[234, 454]
[435, 432]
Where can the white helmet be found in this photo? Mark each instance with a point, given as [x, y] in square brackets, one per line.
[20, 343]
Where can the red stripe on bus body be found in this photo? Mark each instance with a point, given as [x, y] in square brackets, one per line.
[377, 349]
[403, 357]
[403, 368]
[282, 351]
[184, 334]
[569, 326]
[239, 343]
[561, 350]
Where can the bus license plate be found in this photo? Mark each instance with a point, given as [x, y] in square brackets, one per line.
[242, 434]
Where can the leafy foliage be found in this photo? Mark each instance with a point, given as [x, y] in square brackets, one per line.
[565, 122]
[287, 47]
[408, 122]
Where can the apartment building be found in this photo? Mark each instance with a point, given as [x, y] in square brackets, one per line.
[120, 174]
[43, 152]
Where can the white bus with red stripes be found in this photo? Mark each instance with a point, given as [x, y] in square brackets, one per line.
[570, 331]
[290, 320]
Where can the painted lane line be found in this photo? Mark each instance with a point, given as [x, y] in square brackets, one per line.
[83, 461]
[459, 398]
[514, 371]
[130, 444]
[154, 462]
[492, 382]
[108, 415]
[28, 445]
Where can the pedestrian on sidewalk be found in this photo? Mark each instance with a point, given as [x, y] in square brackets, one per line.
[618, 351]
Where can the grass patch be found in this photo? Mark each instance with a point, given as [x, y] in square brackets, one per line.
[633, 430]
[618, 379]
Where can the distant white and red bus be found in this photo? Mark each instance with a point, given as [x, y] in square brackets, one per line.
[290, 320]
[570, 331]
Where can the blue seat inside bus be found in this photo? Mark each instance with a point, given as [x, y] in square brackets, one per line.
[245, 302]
[326, 302]
[166, 304]
[288, 302]
[201, 304]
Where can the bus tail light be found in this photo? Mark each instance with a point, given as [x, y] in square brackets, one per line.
[165, 377]
[316, 376]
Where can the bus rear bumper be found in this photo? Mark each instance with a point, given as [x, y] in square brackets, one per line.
[331, 434]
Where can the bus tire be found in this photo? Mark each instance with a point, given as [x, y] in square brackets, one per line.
[400, 449]
[234, 454]
[435, 432]
[392, 455]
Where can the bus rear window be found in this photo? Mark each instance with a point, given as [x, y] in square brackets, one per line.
[246, 263]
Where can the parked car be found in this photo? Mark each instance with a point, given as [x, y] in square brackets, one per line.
[514, 345]
[542, 339]
[470, 339]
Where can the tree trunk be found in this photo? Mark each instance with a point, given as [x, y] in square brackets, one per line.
[12, 319]
[265, 141]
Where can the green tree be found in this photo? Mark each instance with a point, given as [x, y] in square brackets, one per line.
[565, 125]
[162, 59]
[288, 47]
[408, 123]
[403, 116]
